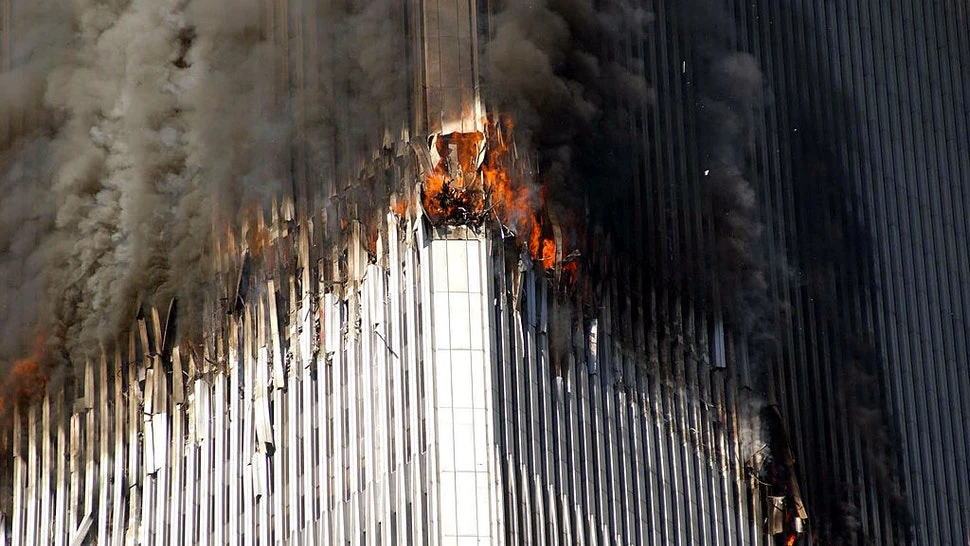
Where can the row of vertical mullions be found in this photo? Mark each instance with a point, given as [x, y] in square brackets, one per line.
[806, 346]
[658, 530]
[216, 430]
[915, 385]
[933, 283]
[426, 385]
[605, 402]
[396, 386]
[875, 319]
[693, 439]
[327, 419]
[528, 533]
[658, 218]
[949, 340]
[790, 396]
[583, 399]
[793, 348]
[530, 425]
[956, 208]
[873, 507]
[510, 448]
[618, 331]
[543, 369]
[952, 435]
[672, 369]
[235, 486]
[294, 415]
[934, 460]
[873, 199]
[574, 412]
[416, 516]
[842, 278]
[905, 278]
[883, 202]
[817, 348]
[192, 490]
[699, 224]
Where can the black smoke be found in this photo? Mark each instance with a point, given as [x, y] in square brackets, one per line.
[553, 65]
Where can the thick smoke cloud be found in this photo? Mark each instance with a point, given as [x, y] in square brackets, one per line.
[730, 90]
[574, 99]
[141, 129]
[548, 64]
[554, 67]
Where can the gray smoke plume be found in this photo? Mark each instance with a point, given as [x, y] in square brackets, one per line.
[140, 129]
[357, 100]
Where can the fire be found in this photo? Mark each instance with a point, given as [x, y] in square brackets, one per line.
[400, 208]
[791, 539]
[255, 231]
[257, 239]
[570, 272]
[458, 192]
[451, 192]
[26, 380]
[370, 237]
[227, 239]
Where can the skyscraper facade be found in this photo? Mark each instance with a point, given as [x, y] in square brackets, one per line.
[489, 273]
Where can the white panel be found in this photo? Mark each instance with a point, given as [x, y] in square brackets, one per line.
[448, 513]
[478, 333]
[443, 377]
[442, 326]
[466, 503]
[462, 385]
[459, 321]
[464, 441]
[457, 266]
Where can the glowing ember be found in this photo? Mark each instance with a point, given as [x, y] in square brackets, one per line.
[26, 380]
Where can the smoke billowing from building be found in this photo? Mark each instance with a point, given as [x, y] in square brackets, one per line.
[729, 103]
[549, 65]
[141, 132]
[144, 135]
[574, 98]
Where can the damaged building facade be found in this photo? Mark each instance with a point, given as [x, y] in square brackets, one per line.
[432, 342]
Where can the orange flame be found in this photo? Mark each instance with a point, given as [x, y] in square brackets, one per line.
[400, 208]
[255, 231]
[370, 237]
[791, 539]
[228, 240]
[452, 194]
[26, 380]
